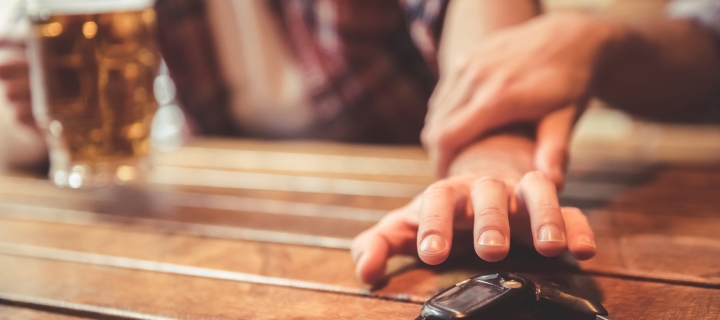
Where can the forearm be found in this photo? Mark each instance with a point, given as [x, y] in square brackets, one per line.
[660, 68]
[468, 21]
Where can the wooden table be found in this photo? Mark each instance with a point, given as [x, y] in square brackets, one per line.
[261, 230]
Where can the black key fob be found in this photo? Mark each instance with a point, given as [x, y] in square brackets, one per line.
[487, 296]
[502, 295]
[563, 299]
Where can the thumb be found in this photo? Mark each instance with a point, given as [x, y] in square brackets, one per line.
[394, 234]
[553, 140]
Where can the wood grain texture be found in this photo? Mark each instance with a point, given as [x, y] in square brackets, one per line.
[194, 297]
[333, 267]
[657, 224]
[641, 300]
[8, 312]
[673, 231]
[185, 297]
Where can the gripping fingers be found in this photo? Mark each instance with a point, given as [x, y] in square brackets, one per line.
[492, 230]
[537, 194]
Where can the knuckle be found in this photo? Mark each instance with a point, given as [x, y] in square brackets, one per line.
[505, 85]
[443, 140]
[535, 177]
[480, 69]
[548, 208]
[439, 189]
[460, 62]
[490, 212]
[433, 102]
[427, 136]
[491, 180]
[431, 221]
[437, 138]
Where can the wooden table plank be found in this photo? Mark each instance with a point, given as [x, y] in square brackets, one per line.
[374, 162]
[312, 147]
[642, 300]
[9, 312]
[39, 189]
[622, 237]
[326, 266]
[692, 185]
[624, 231]
[270, 259]
[182, 297]
[670, 247]
[652, 197]
[650, 256]
[95, 285]
[649, 220]
[331, 267]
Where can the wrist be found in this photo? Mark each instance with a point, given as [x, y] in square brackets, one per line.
[506, 155]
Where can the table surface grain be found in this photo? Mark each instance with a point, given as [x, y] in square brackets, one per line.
[244, 229]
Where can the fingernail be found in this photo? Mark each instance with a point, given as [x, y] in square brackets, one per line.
[551, 233]
[491, 238]
[586, 241]
[432, 244]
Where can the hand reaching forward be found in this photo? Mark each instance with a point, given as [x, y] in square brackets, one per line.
[497, 201]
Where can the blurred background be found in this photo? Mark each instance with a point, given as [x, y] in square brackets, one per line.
[621, 135]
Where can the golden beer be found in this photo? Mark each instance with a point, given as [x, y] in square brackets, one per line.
[93, 92]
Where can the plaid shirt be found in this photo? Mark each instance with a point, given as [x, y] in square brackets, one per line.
[370, 64]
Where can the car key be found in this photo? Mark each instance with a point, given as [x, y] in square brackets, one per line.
[499, 295]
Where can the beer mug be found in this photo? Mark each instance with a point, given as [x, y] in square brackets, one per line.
[92, 67]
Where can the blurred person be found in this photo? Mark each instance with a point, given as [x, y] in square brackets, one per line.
[362, 71]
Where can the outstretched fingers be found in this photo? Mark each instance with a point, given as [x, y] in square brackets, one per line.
[554, 229]
[537, 194]
[492, 229]
[435, 223]
[581, 239]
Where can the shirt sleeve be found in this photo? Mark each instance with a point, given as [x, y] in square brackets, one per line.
[367, 79]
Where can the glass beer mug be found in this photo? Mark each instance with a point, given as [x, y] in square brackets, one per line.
[92, 67]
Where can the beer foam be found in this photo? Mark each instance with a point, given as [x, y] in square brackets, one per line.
[49, 7]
